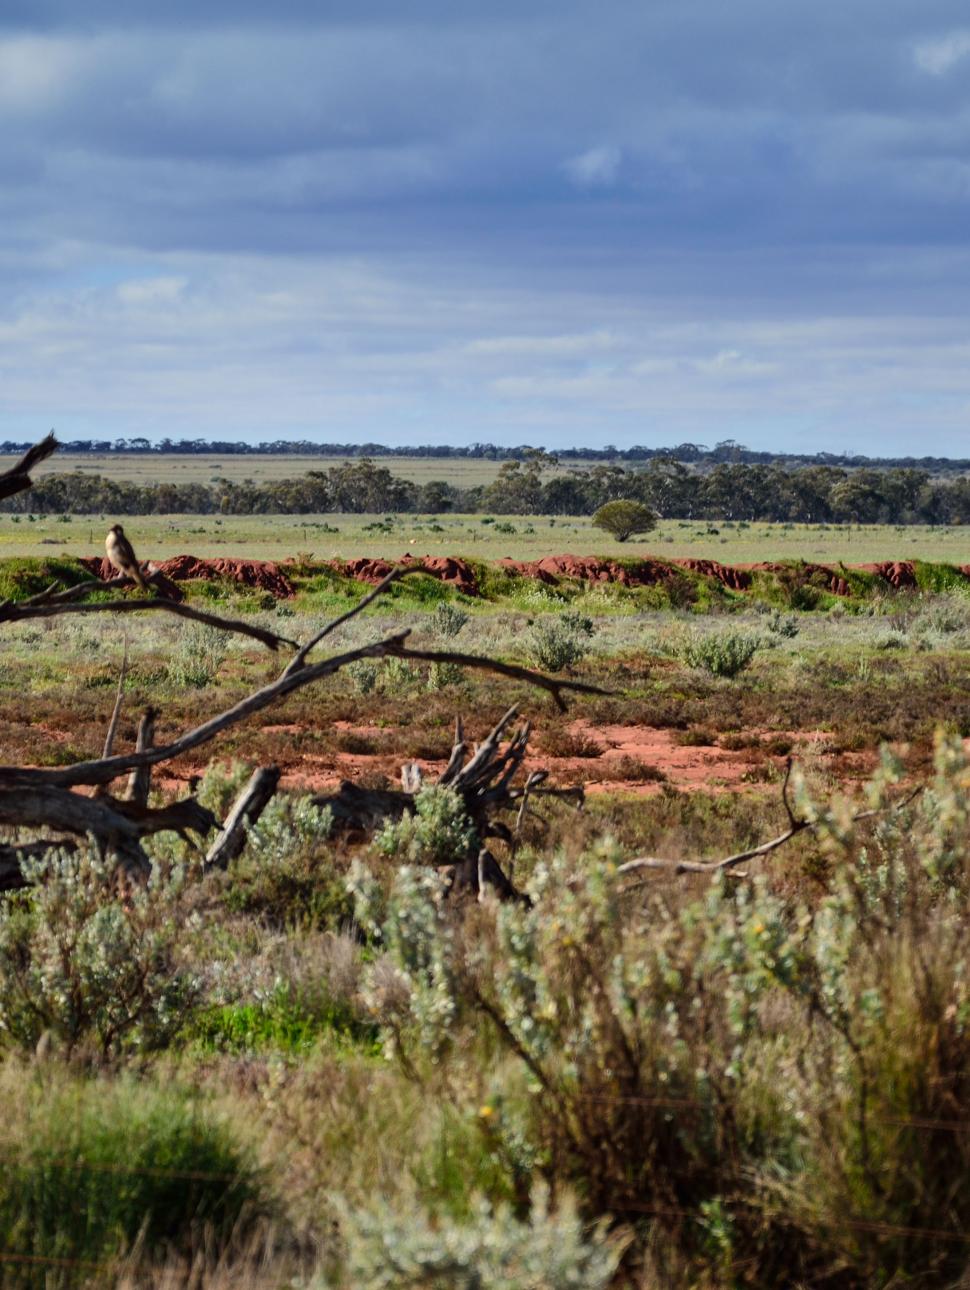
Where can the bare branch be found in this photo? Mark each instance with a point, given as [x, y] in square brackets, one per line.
[554, 685]
[755, 853]
[109, 739]
[102, 772]
[52, 606]
[299, 659]
[17, 478]
[140, 780]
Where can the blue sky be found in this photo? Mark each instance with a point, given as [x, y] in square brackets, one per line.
[547, 222]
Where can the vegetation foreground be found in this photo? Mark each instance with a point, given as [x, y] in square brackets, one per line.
[318, 1069]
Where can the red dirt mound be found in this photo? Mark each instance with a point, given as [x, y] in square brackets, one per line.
[729, 575]
[898, 573]
[588, 568]
[455, 572]
[264, 575]
[815, 575]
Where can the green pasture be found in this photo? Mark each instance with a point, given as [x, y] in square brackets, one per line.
[325, 537]
[212, 468]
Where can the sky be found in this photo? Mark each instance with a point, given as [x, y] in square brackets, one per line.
[557, 222]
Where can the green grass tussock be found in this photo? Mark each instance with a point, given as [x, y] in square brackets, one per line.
[90, 1168]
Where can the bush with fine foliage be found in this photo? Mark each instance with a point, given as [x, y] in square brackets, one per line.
[721, 653]
[549, 1251]
[90, 966]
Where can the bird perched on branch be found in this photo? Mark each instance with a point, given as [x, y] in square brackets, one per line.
[122, 555]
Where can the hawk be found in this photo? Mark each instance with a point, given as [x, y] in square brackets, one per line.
[122, 555]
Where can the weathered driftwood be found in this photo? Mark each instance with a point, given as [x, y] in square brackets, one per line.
[245, 811]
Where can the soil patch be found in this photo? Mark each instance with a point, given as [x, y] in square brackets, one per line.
[454, 571]
[261, 575]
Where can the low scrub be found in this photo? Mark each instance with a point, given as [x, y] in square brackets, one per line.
[86, 968]
[721, 653]
[754, 1081]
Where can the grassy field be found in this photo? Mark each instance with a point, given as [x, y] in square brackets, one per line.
[173, 468]
[521, 537]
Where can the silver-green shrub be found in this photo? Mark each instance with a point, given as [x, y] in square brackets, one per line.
[551, 1250]
[720, 653]
[88, 965]
[560, 642]
[439, 831]
[197, 657]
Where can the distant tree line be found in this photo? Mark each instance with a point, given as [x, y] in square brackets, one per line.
[727, 452]
[809, 494]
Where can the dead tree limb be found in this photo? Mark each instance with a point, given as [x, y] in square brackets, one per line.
[56, 604]
[140, 779]
[246, 810]
[17, 479]
[103, 771]
[727, 863]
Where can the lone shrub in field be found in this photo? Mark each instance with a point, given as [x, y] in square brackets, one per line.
[85, 966]
[624, 519]
[560, 642]
[447, 620]
[550, 1251]
[721, 654]
[89, 1169]
[197, 657]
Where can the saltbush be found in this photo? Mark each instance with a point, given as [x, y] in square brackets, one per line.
[560, 642]
[87, 965]
[439, 831]
[721, 653]
[551, 1250]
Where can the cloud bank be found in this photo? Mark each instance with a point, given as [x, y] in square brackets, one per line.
[428, 221]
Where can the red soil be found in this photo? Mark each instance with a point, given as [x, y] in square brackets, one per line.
[898, 573]
[647, 573]
[454, 571]
[262, 575]
[266, 575]
[689, 769]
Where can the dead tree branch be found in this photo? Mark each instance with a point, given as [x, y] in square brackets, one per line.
[755, 853]
[104, 770]
[17, 479]
[53, 604]
[140, 779]
[246, 810]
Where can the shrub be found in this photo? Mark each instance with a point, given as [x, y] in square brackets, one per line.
[556, 643]
[286, 873]
[721, 654]
[92, 1168]
[447, 620]
[622, 519]
[549, 1251]
[439, 831]
[783, 625]
[780, 1085]
[197, 657]
[82, 964]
